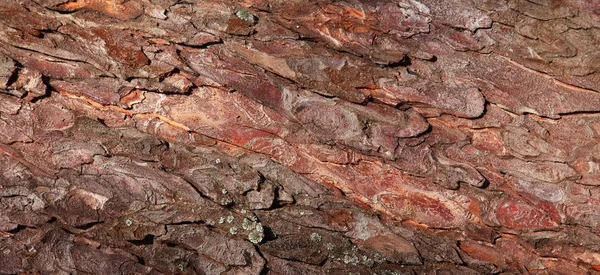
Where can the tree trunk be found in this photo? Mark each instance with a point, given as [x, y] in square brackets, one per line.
[287, 137]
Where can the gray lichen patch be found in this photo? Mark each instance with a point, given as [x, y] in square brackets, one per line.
[367, 261]
[351, 259]
[249, 223]
[246, 16]
[315, 237]
[255, 228]
[226, 201]
[256, 237]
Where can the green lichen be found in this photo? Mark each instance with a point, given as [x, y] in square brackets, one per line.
[226, 201]
[233, 230]
[256, 237]
[256, 229]
[128, 222]
[248, 224]
[352, 260]
[367, 261]
[246, 16]
[230, 219]
[316, 237]
[379, 258]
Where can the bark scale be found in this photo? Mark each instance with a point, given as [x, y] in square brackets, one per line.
[296, 137]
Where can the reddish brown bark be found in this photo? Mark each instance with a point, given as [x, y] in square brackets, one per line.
[294, 137]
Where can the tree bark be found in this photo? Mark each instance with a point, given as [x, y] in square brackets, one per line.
[296, 137]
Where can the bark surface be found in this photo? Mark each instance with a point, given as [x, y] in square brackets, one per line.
[297, 137]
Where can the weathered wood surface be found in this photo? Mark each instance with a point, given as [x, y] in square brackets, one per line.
[295, 137]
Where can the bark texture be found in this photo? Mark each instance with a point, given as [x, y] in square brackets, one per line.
[296, 137]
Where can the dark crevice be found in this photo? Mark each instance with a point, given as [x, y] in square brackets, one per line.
[14, 195]
[47, 92]
[203, 46]
[88, 225]
[158, 91]
[102, 122]
[59, 9]
[147, 240]
[348, 52]
[323, 94]
[404, 62]
[265, 270]
[162, 77]
[276, 201]
[199, 222]
[13, 77]
[17, 229]
[269, 235]
[308, 39]
[140, 260]
[576, 113]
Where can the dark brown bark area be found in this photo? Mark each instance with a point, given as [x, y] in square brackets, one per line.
[295, 137]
